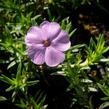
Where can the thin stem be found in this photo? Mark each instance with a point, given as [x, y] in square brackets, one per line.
[42, 68]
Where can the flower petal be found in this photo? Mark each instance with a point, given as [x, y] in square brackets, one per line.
[36, 35]
[52, 29]
[62, 42]
[53, 57]
[34, 30]
[37, 54]
[32, 39]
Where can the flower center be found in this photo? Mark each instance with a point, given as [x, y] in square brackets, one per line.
[46, 43]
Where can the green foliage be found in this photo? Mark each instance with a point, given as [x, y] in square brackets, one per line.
[76, 69]
[19, 83]
[95, 51]
[105, 89]
[67, 26]
[75, 3]
[33, 104]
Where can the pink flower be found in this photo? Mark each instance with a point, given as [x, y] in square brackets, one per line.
[46, 44]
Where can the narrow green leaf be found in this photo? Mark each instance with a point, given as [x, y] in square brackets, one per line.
[11, 64]
[10, 88]
[30, 83]
[35, 18]
[104, 89]
[72, 32]
[19, 70]
[106, 49]
[2, 98]
[92, 44]
[6, 79]
[104, 105]
[104, 60]
[105, 98]
[77, 46]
